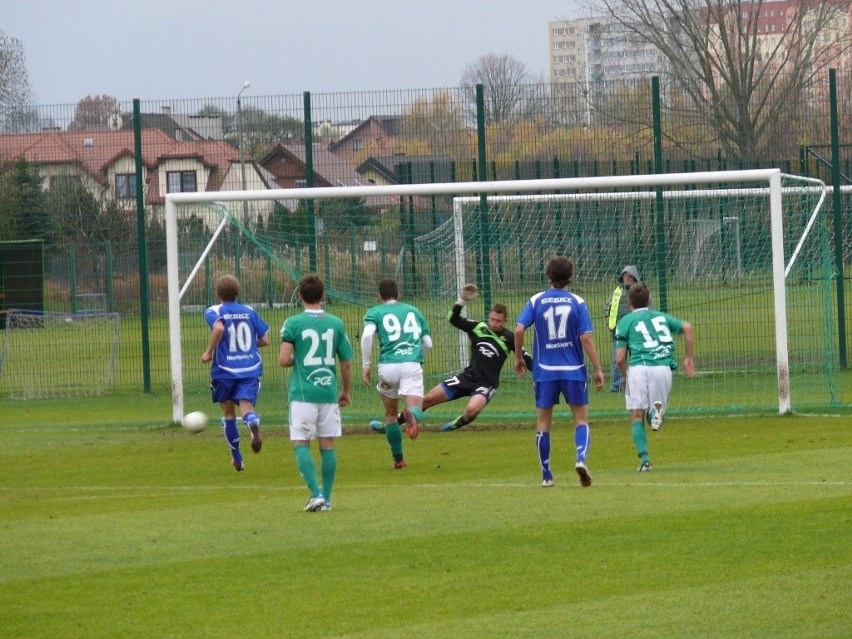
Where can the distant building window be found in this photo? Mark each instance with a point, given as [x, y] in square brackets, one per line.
[125, 185]
[301, 184]
[357, 144]
[181, 182]
[65, 182]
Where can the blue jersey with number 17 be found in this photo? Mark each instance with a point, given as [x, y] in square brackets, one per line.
[560, 318]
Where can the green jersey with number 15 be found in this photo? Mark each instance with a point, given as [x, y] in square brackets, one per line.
[648, 336]
[317, 337]
[400, 328]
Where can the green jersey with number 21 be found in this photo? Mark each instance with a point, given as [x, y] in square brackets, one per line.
[399, 327]
[648, 335]
[317, 337]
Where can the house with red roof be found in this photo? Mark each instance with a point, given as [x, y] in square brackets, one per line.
[103, 162]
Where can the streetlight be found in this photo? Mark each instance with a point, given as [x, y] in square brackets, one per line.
[246, 85]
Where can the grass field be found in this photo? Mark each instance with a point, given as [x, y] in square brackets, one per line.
[117, 526]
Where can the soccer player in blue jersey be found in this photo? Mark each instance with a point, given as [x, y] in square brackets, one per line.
[563, 331]
[236, 334]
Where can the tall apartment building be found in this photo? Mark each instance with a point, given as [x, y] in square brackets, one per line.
[592, 56]
[598, 49]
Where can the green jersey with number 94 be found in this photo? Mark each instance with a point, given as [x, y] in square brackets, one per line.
[400, 328]
[317, 338]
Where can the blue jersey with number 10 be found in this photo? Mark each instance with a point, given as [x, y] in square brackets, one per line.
[237, 355]
[560, 318]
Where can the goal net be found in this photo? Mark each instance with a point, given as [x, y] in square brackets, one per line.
[743, 255]
[58, 355]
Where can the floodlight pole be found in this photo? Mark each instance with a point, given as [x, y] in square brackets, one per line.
[246, 85]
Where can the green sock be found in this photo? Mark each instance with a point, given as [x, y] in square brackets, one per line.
[418, 413]
[394, 436]
[637, 429]
[329, 470]
[307, 468]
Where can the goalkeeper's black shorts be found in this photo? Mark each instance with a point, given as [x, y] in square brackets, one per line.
[464, 385]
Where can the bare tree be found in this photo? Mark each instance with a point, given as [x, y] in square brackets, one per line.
[435, 123]
[15, 95]
[93, 112]
[745, 66]
[506, 84]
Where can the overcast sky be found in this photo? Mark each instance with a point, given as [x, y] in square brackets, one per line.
[175, 49]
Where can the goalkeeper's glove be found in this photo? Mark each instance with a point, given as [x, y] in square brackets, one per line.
[468, 292]
[528, 361]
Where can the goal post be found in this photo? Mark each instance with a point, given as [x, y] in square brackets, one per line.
[49, 354]
[719, 225]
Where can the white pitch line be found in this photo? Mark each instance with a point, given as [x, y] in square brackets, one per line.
[160, 490]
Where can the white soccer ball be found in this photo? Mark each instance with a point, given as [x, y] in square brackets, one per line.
[195, 422]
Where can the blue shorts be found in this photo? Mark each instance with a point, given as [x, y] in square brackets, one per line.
[246, 388]
[547, 393]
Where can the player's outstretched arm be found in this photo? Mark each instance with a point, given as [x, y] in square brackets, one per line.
[467, 294]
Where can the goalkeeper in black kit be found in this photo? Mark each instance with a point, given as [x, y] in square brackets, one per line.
[490, 345]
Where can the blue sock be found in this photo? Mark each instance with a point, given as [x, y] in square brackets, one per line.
[542, 444]
[248, 418]
[582, 438]
[232, 434]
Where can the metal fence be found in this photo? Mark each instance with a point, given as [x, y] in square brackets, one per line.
[90, 179]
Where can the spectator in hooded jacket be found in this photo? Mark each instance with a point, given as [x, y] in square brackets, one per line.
[615, 309]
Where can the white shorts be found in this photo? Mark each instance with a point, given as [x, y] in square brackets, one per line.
[646, 385]
[400, 380]
[309, 420]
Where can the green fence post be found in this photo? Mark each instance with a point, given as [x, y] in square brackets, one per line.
[353, 262]
[484, 242]
[436, 259]
[270, 284]
[326, 249]
[110, 288]
[237, 254]
[142, 249]
[660, 211]
[72, 275]
[309, 183]
[522, 262]
[837, 214]
[414, 283]
[208, 281]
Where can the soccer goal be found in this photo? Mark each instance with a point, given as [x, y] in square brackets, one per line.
[58, 355]
[743, 255]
